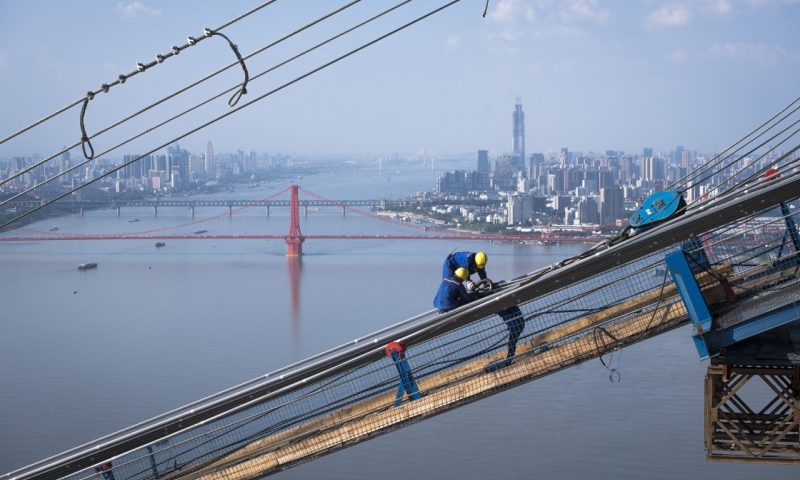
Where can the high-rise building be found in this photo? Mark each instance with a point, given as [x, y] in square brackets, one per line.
[504, 173]
[518, 135]
[519, 209]
[535, 165]
[178, 165]
[484, 172]
[677, 156]
[588, 212]
[564, 157]
[483, 162]
[132, 169]
[686, 157]
[649, 168]
[611, 205]
[208, 162]
[453, 182]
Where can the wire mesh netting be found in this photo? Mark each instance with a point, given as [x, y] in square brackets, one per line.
[332, 405]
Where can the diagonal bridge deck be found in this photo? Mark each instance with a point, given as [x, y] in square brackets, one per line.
[577, 310]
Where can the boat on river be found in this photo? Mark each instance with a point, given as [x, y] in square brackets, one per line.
[87, 266]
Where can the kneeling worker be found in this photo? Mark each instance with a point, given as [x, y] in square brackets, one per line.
[452, 293]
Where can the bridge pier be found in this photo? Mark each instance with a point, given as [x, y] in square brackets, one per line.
[294, 241]
[305, 210]
[119, 209]
[343, 210]
[230, 210]
[267, 211]
[192, 210]
[155, 210]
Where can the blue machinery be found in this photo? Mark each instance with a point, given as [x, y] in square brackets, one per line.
[734, 280]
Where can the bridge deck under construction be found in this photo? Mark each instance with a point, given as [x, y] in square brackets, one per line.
[739, 256]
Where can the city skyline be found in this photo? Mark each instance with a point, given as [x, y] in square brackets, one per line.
[592, 75]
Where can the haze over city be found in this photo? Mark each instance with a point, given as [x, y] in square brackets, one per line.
[592, 75]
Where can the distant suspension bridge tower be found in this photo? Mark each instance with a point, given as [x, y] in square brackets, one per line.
[295, 239]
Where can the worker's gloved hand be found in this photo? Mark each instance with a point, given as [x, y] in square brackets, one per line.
[470, 286]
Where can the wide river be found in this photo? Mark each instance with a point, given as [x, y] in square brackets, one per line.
[86, 353]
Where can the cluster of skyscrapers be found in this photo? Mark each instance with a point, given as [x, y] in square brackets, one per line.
[569, 188]
[174, 171]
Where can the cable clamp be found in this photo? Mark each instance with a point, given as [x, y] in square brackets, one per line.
[122, 78]
[140, 66]
[90, 95]
[104, 87]
[159, 58]
[175, 50]
[208, 32]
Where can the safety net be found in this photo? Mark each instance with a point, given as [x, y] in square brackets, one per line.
[613, 295]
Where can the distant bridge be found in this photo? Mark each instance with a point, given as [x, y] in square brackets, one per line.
[185, 202]
[418, 229]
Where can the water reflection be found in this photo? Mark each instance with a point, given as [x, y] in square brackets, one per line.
[294, 265]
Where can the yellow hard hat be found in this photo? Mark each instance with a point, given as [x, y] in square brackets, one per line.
[480, 260]
[462, 273]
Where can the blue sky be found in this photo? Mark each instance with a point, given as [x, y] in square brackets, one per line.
[593, 75]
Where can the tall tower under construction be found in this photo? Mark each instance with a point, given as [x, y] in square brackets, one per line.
[518, 136]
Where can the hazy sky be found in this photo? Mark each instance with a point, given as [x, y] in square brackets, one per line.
[593, 75]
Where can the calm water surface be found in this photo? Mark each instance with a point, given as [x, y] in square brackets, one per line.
[86, 353]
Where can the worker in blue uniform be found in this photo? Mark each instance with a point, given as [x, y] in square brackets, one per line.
[471, 261]
[452, 293]
[515, 323]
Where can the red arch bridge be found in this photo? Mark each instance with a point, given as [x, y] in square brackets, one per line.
[323, 219]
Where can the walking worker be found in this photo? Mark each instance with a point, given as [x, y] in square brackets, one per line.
[470, 261]
[452, 293]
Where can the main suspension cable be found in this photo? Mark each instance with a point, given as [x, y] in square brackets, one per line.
[754, 149]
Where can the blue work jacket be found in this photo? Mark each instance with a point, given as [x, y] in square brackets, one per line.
[451, 294]
[463, 260]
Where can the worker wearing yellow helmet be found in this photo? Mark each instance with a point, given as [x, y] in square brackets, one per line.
[452, 293]
[472, 262]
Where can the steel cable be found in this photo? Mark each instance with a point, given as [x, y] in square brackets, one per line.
[715, 161]
[140, 68]
[235, 110]
[173, 95]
